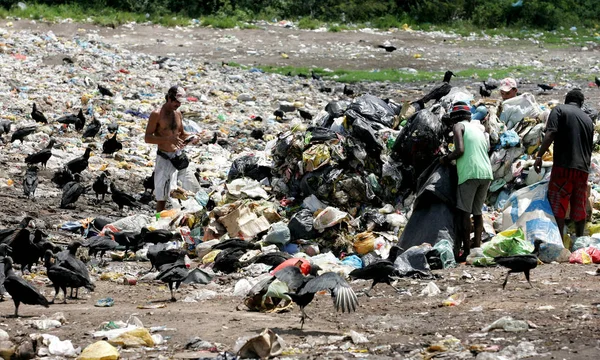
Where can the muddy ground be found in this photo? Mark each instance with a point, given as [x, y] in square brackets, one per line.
[562, 308]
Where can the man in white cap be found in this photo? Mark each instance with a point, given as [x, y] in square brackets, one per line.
[165, 129]
[508, 88]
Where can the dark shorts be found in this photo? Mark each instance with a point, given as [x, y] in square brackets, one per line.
[471, 195]
[568, 186]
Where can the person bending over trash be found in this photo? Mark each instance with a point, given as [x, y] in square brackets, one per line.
[165, 129]
[474, 176]
[572, 132]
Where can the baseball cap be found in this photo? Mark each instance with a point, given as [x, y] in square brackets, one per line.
[480, 113]
[507, 84]
[178, 93]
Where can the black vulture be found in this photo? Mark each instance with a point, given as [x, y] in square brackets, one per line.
[20, 290]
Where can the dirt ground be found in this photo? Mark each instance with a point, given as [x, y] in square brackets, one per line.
[563, 309]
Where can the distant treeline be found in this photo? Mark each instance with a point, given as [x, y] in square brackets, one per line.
[542, 14]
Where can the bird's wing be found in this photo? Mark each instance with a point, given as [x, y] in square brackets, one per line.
[262, 284]
[22, 290]
[344, 297]
[292, 276]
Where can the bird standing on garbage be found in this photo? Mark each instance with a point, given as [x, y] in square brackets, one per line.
[156, 236]
[545, 87]
[63, 277]
[122, 199]
[71, 192]
[80, 122]
[62, 177]
[483, 92]
[597, 81]
[41, 156]
[92, 129]
[6, 234]
[174, 274]
[30, 182]
[305, 114]
[343, 296]
[20, 290]
[111, 145]
[67, 259]
[439, 91]
[159, 256]
[80, 163]
[100, 244]
[22, 133]
[388, 48]
[520, 263]
[37, 115]
[100, 185]
[104, 91]
[489, 87]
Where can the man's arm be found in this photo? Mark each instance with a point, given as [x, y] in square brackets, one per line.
[548, 139]
[459, 144]
[150, 138]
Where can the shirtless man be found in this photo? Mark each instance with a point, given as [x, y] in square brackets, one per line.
[165, 129]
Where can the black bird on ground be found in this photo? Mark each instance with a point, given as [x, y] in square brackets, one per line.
[37, 115]
[379, 271]
[279, 114]
[67, 259]
[343, 296]
[5, 126]
[325, 89]
[42, 156]
[305, 114]
[80, 163]
[122, 199]
[20, 290]
[159, 256]
[149, 183]
[489, 87]
[439, 91]
[23, 249]
[314, 76]
[128, 239]
[100, 244]
[30, 181]
[100, 185]
[483, 92]
[92, 129]
[173, 274]
[68, 119]
[597, 81]
[71, 192]
[104, 91]
[388, 48]
[156, 236]
[113, 127]
[520, 263]
[63, 277]
[6, 234]
[22, 133]
[111, 145]
[291, 276]
[257, 134]
[80, 122]
[67, 60]
[348, 91]
[62, 177]
[545, 87]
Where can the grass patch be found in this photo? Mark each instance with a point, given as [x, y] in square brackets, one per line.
[219, 22]
[309, 24]
[392, 75]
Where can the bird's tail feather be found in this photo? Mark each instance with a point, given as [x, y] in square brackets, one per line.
[346, 300]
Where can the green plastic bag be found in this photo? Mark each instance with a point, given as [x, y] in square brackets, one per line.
[445, 248]
[507, 243]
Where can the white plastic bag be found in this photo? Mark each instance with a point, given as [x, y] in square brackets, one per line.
[530, 210]
[328, 218]
[517, 108]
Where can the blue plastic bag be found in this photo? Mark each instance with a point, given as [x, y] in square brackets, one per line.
[353, 261]
[509, 138]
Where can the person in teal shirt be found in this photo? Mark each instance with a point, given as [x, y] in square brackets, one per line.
[474, 176]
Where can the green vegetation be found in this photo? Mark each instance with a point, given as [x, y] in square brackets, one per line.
[548, 21]
[392, 75]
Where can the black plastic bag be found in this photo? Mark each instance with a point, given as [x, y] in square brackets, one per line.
[337, 108]
[247, 166]
[319, 135]
[396, 108]
[373, 109]
[372, 220]
[370, 258]
[419, 141]
[413, 262]
[362, 130]
[301, 226]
